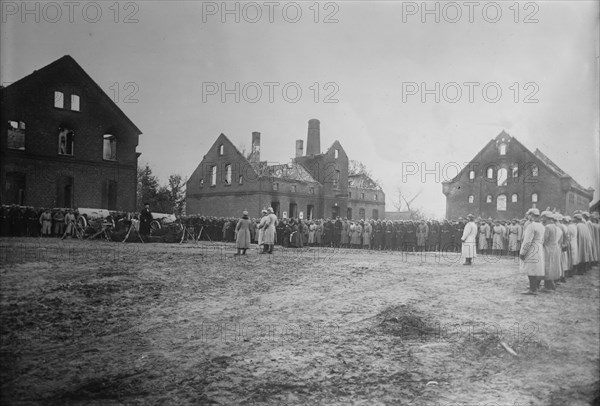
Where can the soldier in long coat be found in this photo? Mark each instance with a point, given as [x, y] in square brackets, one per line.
[421, 233]
[337, 232]
[573, 248]
[513, 238]
[484, 235]
[446, 237]
[497, 240]
[311, 233]
[531, 255]
[551, 252]
[269, 231]
[242, 234]
[458, 232]
[584, 244]
[345, 233]
[261, 229]
[388, 235]
[590, 225]
[319, 233]
[563, 240]
[434, 236]
[145, 220]
[469, 242]
[366, 237]
[410, 237]
[356, 239]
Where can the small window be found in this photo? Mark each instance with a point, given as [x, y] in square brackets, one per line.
[488, 199]
[490, 173]
[228, 174]
[502, 149]
[213, 175]
[74, 102]
[275, 186]
[221, 149]
[110, 147]
[375, 196]
[514, 198]
[336, 154]
[59, 100]
[502, 177]
[16, 135]
[362, 196]
[294, 188]
[534, 197]
[241, 180]
[361, 214]
[471, 198]
[312, 190]
[471, 175]
[534, 170]
[501, 203]
[515, 171]
[202, 182]
[65, 141]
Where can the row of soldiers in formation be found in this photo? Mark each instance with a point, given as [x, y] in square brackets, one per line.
[555, 247]
[497, 237]
[27, 221]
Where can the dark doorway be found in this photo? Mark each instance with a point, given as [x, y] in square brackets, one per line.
[335, 212]
[293, 212]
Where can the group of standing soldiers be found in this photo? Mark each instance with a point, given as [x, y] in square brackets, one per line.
[556, 247]
[497, 237]
[27, 221]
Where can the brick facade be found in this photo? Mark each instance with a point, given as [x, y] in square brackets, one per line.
[311, 186]
[38, 173]
[476, 188]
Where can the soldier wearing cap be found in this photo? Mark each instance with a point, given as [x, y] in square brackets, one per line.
[513, 238]
[594, 252]
[531, 255]
[269, 231]
[242, 234]
[485, 233]
[551, 252]
[563, 241]
[468, 240]
[261, 229]
[573, 249]
[584, 244]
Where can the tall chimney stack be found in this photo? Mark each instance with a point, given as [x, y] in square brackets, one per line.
[255, 151]
[313, 142]
[299, 148]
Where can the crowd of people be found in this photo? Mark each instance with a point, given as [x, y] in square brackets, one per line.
[493, 237]
[27, 221]
[551, 246]
[556, 247]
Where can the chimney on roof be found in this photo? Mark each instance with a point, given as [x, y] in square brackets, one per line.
[255, 151]
[313, 142]
[299, 148]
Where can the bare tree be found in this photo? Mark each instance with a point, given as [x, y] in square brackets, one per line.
[405, 200]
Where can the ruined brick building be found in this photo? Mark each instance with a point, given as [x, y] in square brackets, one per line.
[65, 142]
[312, 185]
[505, 179]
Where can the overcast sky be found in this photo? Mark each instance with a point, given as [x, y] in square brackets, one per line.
[365, 60]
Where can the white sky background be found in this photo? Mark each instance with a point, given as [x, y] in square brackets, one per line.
[369, 53]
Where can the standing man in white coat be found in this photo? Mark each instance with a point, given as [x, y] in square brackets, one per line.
[269, 233]
[468, 249]
[531, 255]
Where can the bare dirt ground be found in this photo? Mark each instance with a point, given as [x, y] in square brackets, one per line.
[108, 323]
